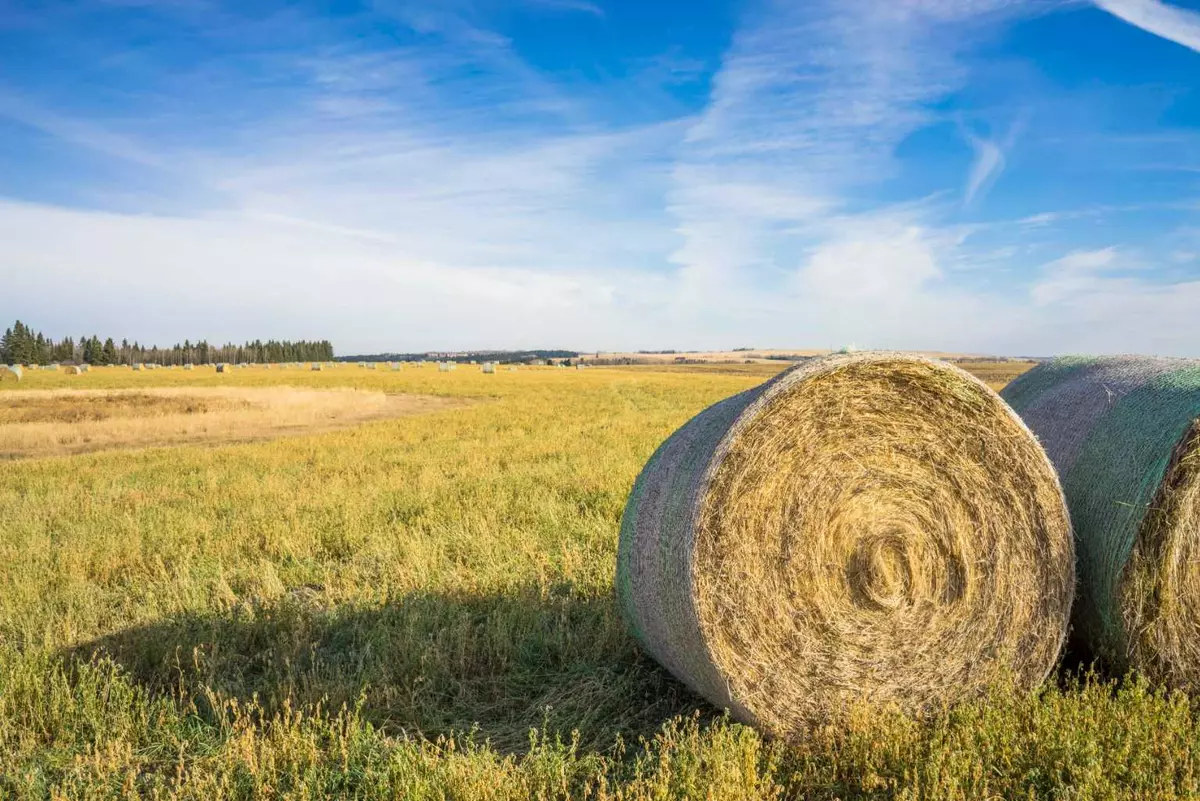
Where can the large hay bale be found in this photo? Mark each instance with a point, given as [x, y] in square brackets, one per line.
[72, 369]
[11, 371]
[488, 368]
[222, 368]
[871, 527]
[1124, 434]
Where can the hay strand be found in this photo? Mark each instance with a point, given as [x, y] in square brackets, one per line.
[1124, 434]
[872, 526]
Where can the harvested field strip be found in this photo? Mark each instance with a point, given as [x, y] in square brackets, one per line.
[61, 422]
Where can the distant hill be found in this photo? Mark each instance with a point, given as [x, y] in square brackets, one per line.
[502, 356]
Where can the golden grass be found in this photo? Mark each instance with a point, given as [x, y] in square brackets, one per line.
[422, 608]
[41, 423]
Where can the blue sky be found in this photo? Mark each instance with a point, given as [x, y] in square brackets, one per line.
[1007, 176]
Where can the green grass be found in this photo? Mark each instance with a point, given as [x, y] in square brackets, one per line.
[423, 608]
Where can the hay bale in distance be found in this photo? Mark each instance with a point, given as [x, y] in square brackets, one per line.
[316, 367]
[11, 371]
[488, 368]
[224, 368]
[874, 526]
[1124, 433]
[72, 369]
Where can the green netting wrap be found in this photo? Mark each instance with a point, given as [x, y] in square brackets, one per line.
[1122, 433]
[867, 527]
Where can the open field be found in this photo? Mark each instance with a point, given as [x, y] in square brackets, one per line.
[744, 356]
[422, 607]
[993, 373]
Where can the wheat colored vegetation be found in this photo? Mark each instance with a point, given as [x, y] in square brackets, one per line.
[57, 422]
[423, 608]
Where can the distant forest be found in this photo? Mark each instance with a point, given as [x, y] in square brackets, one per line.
[22, 345]
[501, 356]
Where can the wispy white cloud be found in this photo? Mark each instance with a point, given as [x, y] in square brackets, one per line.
[585, 6]
[988, 164]
[990, 159]
[805, 129]
[79, 132]
[1180, 25]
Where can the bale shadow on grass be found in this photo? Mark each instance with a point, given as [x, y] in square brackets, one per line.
[497, 664]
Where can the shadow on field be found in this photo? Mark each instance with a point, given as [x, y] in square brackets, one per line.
[435, 663]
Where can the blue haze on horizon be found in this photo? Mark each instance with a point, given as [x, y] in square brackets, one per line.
[1002, 176]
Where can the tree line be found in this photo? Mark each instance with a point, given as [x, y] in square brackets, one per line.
[22, 345]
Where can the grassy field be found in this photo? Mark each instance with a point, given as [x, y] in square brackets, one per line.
[422, 607]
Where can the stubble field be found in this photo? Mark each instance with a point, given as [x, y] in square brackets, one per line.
[421, 606]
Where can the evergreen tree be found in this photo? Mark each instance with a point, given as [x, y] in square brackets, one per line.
[93, 352]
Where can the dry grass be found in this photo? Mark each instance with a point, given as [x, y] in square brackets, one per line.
[42, 423]
[422, 608]
[876, 527]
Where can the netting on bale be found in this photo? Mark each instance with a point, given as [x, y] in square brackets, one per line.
[1124, 433]
[869, 527]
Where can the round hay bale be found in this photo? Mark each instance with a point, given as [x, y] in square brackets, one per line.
[870, 527]
[316, 367]
[1124, 434]
[72, 369]
[488, 368]
[222, 368]
[11, 371]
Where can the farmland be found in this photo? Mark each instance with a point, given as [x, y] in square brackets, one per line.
[412, 598]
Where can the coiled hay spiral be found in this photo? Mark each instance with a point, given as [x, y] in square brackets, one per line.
[1124, 433]
[870, 527]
